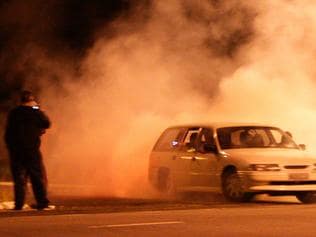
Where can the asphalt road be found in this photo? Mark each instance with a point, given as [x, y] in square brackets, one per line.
[126, 217]
[254, 220]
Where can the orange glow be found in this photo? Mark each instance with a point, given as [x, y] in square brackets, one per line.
[159, 74]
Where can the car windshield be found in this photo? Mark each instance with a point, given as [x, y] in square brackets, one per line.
[254, 137]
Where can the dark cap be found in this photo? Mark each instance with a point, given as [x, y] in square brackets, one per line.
[27, 96]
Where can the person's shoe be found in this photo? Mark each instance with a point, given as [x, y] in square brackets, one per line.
[43, 207]
[49, 208]
[20, 208]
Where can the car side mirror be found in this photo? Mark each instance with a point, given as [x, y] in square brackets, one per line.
[209, 148]
[302, 147]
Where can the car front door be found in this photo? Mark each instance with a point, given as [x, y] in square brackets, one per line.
[204, 164]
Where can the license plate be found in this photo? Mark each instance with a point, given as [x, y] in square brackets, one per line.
[299, 176]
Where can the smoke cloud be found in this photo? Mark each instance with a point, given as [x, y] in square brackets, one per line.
[276, 83]
[183, 65]
[173, 62]
[160, 68]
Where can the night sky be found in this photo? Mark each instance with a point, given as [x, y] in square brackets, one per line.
[67, 29]
[57, 27]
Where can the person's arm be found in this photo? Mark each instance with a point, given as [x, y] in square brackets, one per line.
[44, 120]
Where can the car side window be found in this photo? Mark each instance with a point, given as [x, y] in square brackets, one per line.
[196, 138]
[169, 139]
[191, 138]
[207, 137]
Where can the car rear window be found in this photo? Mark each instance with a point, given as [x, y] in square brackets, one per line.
[169, 139]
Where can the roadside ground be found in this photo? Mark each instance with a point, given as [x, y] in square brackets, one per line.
[68, 204]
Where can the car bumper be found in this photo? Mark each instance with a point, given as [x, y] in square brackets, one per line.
[279, 181]
[285, 188]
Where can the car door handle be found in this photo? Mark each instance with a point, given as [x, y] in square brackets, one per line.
[186, 157]
[197, 158]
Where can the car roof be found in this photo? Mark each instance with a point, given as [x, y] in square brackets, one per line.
[221, 124]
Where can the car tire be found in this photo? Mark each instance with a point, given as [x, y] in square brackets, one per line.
[306, 197]
[165, 184]
[233, 188]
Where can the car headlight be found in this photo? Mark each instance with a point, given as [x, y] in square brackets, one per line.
[264, 167]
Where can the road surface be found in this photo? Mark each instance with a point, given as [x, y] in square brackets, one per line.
[259, 218]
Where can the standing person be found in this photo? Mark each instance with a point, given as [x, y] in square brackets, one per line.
[25, 125]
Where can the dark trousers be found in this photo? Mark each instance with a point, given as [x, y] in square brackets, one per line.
[28, 163]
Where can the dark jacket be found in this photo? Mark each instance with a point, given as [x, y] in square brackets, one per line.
[25, 125]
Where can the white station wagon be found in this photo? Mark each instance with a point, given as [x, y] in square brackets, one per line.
[238, 160]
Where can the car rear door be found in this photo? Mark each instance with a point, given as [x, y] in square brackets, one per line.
[167, 155]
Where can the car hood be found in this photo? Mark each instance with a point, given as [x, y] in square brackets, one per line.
[271, 156]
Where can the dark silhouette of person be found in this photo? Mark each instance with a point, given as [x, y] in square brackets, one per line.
[191, 146]
[250, 138]
[25, 125]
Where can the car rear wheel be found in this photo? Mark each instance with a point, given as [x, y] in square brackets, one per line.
[306, 197]
[165, 183]
[233, 188]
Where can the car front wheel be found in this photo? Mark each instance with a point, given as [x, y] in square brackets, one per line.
[233, 188]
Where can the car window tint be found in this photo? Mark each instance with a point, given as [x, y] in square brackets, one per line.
[190, 133]
[264, 136]
[253, 136]
[207, 136]
[236, 137]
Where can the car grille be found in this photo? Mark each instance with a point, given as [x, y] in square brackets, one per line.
[295, 166]
[292, 182]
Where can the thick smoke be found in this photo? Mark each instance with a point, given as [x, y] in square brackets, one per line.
[160, 68]
[275, 84]
[172, 62]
